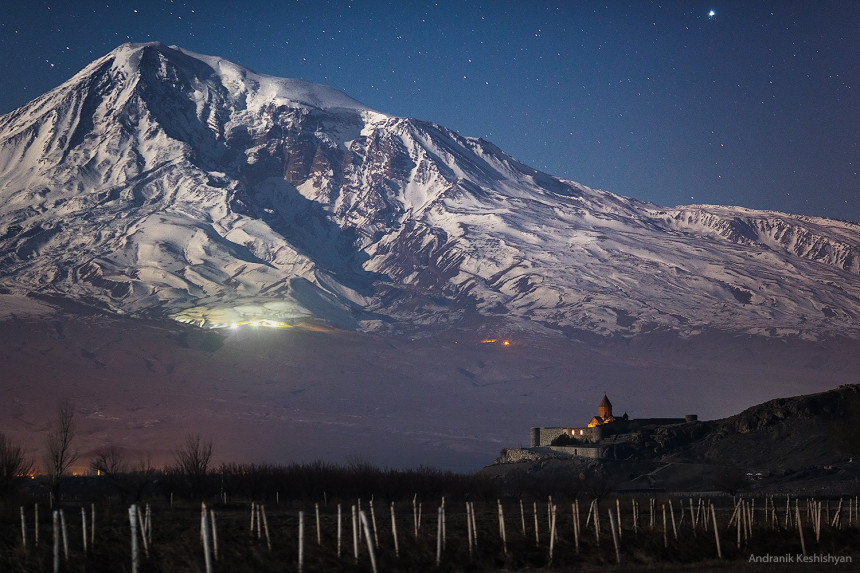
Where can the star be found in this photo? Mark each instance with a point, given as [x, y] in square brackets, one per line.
[712, 14]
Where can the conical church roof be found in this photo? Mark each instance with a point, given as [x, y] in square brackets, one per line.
[605, 402]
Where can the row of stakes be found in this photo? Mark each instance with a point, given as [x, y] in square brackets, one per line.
[700, 514]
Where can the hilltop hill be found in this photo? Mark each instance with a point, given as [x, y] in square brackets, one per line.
[802, 442]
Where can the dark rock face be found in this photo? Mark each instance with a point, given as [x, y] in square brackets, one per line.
[785, 432]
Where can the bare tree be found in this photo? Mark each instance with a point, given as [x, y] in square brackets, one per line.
[193, 460]
[111, 462]
[13, 466]
[60, 456]
[143, 475]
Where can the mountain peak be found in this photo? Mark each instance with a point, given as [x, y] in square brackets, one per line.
[162, 181]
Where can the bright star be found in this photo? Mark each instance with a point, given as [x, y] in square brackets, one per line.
[711, 14]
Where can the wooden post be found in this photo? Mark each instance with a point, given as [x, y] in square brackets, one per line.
[636, 516]
[253, 516]
[36, 524]
[774, 521]
[799, 528]
[439, 537]
[665, 529]
[590, 510]
[752, 515]
[651, 506]
[818, 523]
[502, 528]
[148, 522]
[92, 526]
[522, 516]
[415, 515]
[469, 525]
[369, 542]
[319, 531]
[618, 513]
[24, 531]
[373, 522]
[716, 532]
[83, 526]
[735, 513]
[207, 538]
[339, 529]
[214, 525]
[56, 530]
[537, 535]
[699, 514]
[597, 522]
[674, 527]
[265, 526]
[552, 532]
[142, 525]
[302, 540]
[549, 513]
[615, 526]
[474, 526]
[738, 523]
[444, 524]
[354, 534]
[394, 532]
[575, 511]
[259, 521]
[693, 517]
[135, 550]
[65, 536]
[357, 512]
[836, 517]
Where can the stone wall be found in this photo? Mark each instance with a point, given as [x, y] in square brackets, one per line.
[545, 436]
[514, 455]
[595, 452]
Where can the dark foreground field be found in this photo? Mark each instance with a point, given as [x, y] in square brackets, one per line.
[176, 536]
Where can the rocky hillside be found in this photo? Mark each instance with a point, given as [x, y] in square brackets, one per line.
[818, 429]
[802, 442]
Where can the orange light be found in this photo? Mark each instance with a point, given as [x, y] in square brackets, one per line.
[489, 341]
[506, 343]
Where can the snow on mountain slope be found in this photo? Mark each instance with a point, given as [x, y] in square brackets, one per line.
[159, 181]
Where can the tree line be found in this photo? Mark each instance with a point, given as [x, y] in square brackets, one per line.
[192, 474]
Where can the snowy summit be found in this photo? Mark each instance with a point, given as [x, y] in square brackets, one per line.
[161, 182]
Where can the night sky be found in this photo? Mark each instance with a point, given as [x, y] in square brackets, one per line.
[742, 103]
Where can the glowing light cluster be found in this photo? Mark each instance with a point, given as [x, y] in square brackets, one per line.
[257, 322]
[270, 314]
[496, 340]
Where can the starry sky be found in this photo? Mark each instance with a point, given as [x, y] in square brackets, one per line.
[751, 103]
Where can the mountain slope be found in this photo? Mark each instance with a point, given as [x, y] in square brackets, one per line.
[158, 181]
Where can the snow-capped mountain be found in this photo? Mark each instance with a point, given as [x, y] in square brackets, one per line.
[159, 181]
